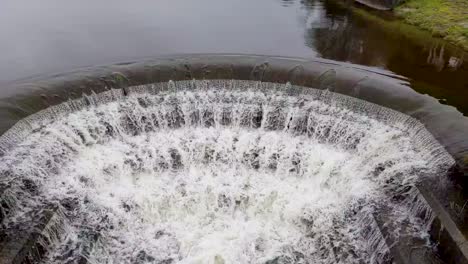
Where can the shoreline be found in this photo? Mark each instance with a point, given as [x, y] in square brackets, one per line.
[446, 19]
[443, 19]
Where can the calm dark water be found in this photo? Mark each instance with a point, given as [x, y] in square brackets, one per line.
[50, 36]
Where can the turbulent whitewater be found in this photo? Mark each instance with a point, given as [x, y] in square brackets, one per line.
[217, 172]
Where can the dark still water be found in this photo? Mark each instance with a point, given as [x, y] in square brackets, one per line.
[52, 36]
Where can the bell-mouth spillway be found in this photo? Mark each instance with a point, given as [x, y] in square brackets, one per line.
[228, 159]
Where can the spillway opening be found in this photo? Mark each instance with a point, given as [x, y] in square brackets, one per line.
[219, 171]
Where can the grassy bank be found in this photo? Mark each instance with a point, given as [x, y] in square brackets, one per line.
[443, 18]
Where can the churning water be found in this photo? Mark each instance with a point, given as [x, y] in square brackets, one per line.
[217, 172]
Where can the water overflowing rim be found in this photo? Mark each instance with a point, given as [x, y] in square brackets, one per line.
[448, 126]
[32, 100]
[421, 137]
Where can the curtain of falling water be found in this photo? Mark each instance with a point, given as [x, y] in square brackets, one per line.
[216, 172]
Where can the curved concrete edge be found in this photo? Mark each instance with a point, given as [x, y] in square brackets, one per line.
[25, 97]
[421, 138]
[447, 125]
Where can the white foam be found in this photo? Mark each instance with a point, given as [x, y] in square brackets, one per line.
[219, 176]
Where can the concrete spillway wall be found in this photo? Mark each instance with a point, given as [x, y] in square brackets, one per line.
[384, 88]
[25, 97]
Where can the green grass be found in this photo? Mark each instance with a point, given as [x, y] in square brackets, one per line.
[443, 18]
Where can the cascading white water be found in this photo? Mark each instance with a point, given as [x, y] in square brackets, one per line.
[217, 172]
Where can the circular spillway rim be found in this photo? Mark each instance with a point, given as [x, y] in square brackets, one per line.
[22, 128]
[28, 96]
